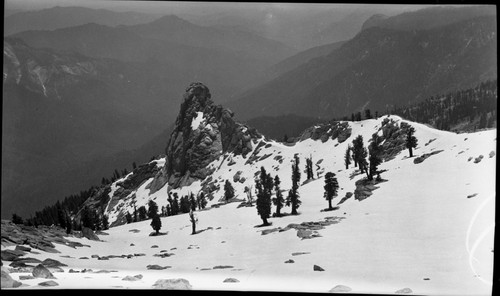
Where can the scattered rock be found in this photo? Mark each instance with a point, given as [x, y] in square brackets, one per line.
[27, 260]
[231, 280]
[423, 157]
[492, 153]
[41, 271]
[26, 277]
[300, 253]
[83, 258]
[134, 230]
[154, 246]
[27, 249]
[132, 278]
[157, 267]
[472, 195]
[317, 268]
[172, 284]
[404, 291]
[89, 234]
[340, 289]
[426, 279]
[11, 255]
[478, 159]
[7, 281]
[222, 266]
[48, 284]
[289, 261]
[52, 263]
[132, 245]
[163, 255]
[73, 271]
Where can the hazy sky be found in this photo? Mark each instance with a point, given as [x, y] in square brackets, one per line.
[175, 6]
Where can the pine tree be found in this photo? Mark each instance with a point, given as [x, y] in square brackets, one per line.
[86, 218]
[228, 190]
[193, 202]
[175, 204]
[185, 205]
[61, 217]
[264, 186]
[358, 116]
[293, 195]
[156, 223]
[347, 157]
[105, 222]
[359, 153]
[309, 168]
[129, 218]
[368, 114]
[152, 209]
[134, 165]
[411, 140]
[278, 201]
[16, 219]
[194, 220]
[169, 211]
[375, 158]
[201, 201]
[352, 117]
[135, 214]
[68, 225]
[142, 213]
[331, 187]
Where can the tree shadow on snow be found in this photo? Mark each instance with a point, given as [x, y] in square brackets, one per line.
[263, 225]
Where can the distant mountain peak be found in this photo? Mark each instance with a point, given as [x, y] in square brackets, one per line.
[170, 20]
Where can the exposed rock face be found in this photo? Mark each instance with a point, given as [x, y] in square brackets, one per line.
[203, 132]
[335, 130]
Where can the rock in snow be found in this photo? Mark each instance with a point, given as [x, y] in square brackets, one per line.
[173, 284]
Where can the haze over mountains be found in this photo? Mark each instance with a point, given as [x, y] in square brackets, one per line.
[87, 91]
[380, 68]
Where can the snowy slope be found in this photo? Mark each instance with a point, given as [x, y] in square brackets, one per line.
[419, 230]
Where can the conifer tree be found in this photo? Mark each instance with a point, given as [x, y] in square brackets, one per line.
[228, 190]
[359, 153]
[185, 205]
[293, 195]
[331, 187]
[375, 158]
[156, 223]
[105, 222]
[129, 218]
[411, 140]
[169, 211]
[201, 200]
[347, 157]
[194, 220]
[175, 204]
[368, 114]
[152, 209]
[309, 168]
[358, 116]
[61, 218]
[68, 225]
[142, 212]
[278, 201]
[193, 202]
[86, 218]
[264, 186]
[16, 219]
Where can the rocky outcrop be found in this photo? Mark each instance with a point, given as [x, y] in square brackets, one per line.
[335, 130]
[41, 238]
[203, 132]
